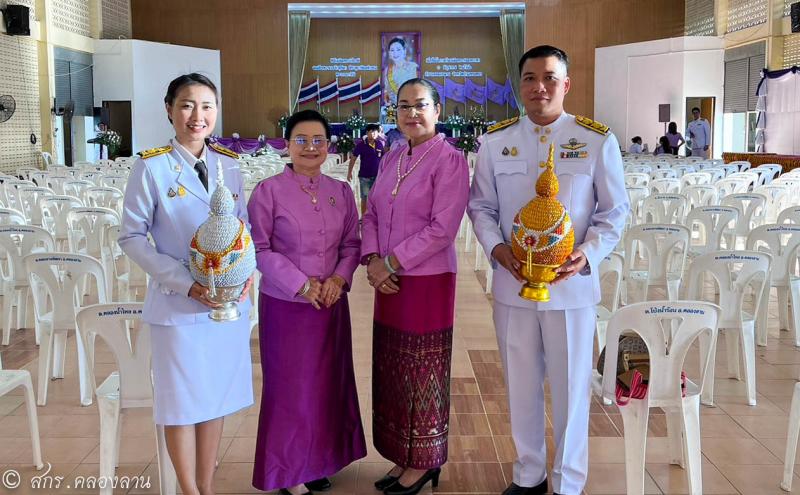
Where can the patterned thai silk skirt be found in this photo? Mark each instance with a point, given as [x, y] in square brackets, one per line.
[411, 352]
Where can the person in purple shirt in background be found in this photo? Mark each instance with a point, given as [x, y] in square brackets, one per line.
[305, 231]
[675, 137]
[412, 219]
[370, 150]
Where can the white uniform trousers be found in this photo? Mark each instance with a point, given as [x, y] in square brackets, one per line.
[557, 344]
[700, 152]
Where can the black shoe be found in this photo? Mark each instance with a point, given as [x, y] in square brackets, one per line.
[320, 485]
[515, 489]
[284, 491]
[385, 482]
[431, 475]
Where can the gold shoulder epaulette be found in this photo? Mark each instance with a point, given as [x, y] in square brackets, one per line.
[154, 152]
[223, 150]
[501, 125]
[590, 124]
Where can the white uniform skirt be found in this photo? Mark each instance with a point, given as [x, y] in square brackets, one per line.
[201, 372]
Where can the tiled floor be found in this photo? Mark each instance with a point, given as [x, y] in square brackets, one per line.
[742, 445]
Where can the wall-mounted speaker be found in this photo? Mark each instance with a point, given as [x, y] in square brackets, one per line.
[18, 20]
[663, 112]
[794, 14]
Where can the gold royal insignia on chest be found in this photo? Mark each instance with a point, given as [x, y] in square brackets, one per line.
[573, 145]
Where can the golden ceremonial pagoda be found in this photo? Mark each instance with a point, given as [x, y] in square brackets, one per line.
[542, 235]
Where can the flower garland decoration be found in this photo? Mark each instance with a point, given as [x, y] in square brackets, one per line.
[355, 122]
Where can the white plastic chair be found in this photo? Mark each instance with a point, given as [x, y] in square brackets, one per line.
[741, 165]
[782, 242]
[777, 200]
[735, 273]
[664, 248]
[664, 208]
[751, 177]
[636, 179]
[752, 208]
[56, 182]
[105, 197]
[767, 172]
[695, 178]
[668, 329]
[30, 201]
[131, 280]
[664, 173]
[700, 195]
[10, 216]
[62, 275]
[640, 169]
[17, 241]
[731, 185]
[788, 215]
[116, 180]
[684, 169]
[665, 186]
[120, 327]
[610, 271]
[40, 177]
[636, 197]
[10, 380]
[716, 173]
[55, 213]
[712, 222]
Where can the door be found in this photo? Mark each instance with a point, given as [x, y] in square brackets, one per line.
[117, 116]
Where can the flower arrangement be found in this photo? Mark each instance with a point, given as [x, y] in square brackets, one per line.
[467, 143]
[391, 114]
[477, 120]
[355, 122]
[344, 144]
[455, 122]
[282, 122]
[111, 140]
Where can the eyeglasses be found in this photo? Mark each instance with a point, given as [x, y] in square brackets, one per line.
[304, 141]
[419, 107]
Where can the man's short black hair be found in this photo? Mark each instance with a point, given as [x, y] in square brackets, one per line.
[543, 51]
[695, 109]
[372, 127]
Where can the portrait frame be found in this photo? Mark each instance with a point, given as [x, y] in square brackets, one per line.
[391, 79]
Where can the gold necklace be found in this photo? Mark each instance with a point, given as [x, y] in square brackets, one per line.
[310, 193]
[402, 177]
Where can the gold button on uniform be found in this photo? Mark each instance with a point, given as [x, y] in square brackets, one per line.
[543, 139]
[536, 130]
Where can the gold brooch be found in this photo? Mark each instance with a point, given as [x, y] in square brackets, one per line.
[181, 191]
[513, 151]
[332, 201]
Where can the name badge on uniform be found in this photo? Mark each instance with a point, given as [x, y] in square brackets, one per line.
[574, 154]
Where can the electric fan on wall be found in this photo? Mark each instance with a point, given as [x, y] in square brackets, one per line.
[7, 107]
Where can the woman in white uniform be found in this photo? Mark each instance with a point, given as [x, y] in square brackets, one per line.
[202, 369]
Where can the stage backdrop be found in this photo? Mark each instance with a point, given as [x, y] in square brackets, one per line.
[456, 49]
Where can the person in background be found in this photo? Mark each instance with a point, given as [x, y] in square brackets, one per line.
[201, 369]
[675, 138]
[664, 147]
[369, 150]
[636, 145]
[305, 231]
[699, 131]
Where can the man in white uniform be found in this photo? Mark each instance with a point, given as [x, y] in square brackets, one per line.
[699, 131]
[553, 339]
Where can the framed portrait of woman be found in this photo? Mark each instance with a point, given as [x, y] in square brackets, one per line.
[400, 61]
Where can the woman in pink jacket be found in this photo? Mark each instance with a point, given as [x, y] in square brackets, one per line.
[413, 214]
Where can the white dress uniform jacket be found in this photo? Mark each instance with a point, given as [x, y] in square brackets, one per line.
[592, 188]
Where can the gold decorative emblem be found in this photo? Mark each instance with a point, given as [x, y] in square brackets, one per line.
[543, 139]
[505, 152]
[513, 151]
[181, 191]
[171, 193]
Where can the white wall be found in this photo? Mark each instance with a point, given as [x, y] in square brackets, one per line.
[139, 72]
[632, 80]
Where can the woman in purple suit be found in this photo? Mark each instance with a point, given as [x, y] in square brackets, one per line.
[305, 230]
